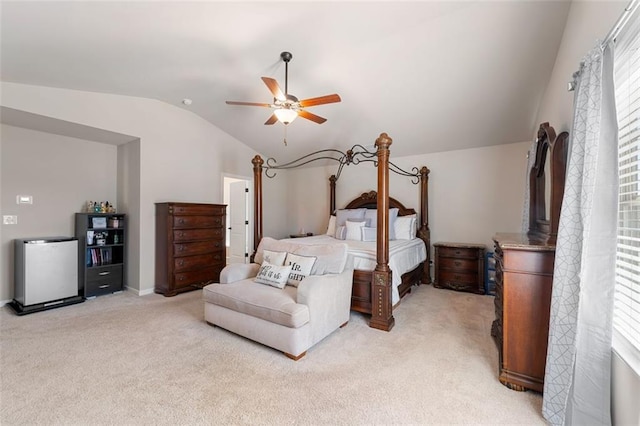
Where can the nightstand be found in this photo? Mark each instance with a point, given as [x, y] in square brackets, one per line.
[459, 266]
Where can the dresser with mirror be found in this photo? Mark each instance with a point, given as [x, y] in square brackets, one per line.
[524, 270]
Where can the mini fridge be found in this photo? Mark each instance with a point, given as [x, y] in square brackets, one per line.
[45, 273]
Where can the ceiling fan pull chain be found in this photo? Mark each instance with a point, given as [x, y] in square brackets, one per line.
[285, 135]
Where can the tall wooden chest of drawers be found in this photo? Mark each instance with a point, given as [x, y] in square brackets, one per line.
[190, 246]
[524, 278]
[459, 266]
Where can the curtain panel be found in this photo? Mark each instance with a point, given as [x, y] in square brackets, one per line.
[578, 371]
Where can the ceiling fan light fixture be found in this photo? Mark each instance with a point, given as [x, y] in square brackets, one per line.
[285, 115]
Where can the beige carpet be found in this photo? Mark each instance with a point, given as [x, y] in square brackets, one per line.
[124, 359]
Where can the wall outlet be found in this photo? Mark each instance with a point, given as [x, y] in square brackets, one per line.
[9, 220]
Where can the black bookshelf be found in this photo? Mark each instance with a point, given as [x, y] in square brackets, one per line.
[102, 247]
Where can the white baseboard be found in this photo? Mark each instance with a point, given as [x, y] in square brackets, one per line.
[140, 292]
[4, 302]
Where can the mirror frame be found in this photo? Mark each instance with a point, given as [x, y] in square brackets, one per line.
[554, 149]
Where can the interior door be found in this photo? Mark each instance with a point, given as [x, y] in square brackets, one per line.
[238, 223]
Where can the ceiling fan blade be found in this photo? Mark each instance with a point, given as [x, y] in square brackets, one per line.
[320, 100]
[271, 119]
[248, 103]
[315, 118]
[274, 88]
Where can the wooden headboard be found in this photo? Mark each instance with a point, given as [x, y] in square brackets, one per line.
[368, 200]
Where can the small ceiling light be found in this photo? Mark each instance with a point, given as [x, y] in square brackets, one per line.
[285, 115]
[187, 101]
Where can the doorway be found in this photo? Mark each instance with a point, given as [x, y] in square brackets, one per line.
[236, 197]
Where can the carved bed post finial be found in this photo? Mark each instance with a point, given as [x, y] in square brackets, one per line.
[257, 162]
[332, 196]
[382, 315]
[424, 233]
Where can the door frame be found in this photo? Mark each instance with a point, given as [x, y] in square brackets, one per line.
[225, 197]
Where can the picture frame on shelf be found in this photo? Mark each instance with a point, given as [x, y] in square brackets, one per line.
[99, 222]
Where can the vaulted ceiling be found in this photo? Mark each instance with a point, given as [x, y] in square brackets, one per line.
[434, 75]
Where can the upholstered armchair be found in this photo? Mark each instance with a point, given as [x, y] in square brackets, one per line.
[291, 317]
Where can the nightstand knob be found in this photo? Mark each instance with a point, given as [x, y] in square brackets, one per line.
[457, 263]
[181, 263]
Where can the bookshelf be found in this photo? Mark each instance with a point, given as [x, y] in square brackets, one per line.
[101, 252]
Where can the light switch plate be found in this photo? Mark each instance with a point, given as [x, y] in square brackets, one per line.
[24, 199]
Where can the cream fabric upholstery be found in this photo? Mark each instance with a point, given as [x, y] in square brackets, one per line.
[290, 319]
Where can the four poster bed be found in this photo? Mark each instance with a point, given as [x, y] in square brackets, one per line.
[377, 287]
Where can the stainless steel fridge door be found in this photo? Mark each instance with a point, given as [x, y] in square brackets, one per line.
[51, 271]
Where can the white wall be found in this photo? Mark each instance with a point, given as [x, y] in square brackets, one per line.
[61, 174]
[180, 154]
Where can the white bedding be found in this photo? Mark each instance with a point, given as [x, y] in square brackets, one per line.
[404, 256]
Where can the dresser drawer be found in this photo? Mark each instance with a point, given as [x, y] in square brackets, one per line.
[458, 252]
[460, 265]
[197, 222]
[198, 234]
[198, 278]
[103, 280]
[187, 263]
[197, 247]
[102, 273]
[197, 209]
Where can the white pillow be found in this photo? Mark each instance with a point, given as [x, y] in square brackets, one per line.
[331, 228]
[274, 257]
[405, 227]
[341, 232]
[354, 230]
[300, 268]
[393, 214]
[371, 215]
[369, 234]
[354, 214]
[273, 275]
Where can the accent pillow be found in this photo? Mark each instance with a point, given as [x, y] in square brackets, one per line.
[354, 230]
[369, 234]
[331, 228]
[393, 214]
[405, 228]
[372, 215]
[354, 214]
[274, 257]
[341, 232]
[300, 268]
[273, 275]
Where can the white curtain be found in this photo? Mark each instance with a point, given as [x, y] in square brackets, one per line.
[578, 371]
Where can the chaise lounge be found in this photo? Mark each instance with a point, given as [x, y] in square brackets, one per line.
[289, 313]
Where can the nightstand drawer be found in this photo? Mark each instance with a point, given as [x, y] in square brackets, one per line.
[103, 273]
[458, 252]
[460, 265]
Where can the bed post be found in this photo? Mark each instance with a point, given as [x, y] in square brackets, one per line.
[257, 162]
[332, 197]
[381, 309]
[424, 233]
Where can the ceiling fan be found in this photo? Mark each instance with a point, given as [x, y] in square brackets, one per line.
[286, 106]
